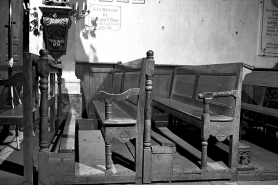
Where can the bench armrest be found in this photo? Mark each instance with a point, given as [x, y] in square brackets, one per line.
[108, 98]
[208, 96]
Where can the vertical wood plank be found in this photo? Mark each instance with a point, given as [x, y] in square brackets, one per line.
[59, 99]
[52, 107]
[43, 168]
[28, 121]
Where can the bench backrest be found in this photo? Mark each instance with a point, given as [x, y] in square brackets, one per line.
[255, 83]
[191, 80]
[128, 75]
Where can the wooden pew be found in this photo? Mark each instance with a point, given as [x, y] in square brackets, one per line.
[125, 114]
[209, 98]
[255, 109]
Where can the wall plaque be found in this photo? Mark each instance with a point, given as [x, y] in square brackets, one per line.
[269, 28]
[105, 17]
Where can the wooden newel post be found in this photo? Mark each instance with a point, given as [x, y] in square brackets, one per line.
[43, 71]
[147, 130]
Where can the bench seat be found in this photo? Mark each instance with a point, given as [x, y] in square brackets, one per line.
[16, 112]
[119, 117]
[172, 106]
[259, 109]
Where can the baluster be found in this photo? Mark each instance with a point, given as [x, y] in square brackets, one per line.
[147, 130]
[43, 71]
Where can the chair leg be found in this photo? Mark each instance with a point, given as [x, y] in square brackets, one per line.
[108, 154]
[204, 153]
[16, 137]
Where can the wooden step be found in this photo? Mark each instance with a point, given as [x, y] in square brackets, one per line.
[163, 141]
[194, 153]
[91, 153]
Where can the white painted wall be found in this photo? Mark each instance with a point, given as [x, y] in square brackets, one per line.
[178, 31]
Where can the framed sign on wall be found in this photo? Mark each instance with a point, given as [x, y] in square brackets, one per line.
[268, 44]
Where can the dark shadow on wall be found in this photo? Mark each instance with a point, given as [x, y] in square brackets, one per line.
[85, 37]
[90, 29]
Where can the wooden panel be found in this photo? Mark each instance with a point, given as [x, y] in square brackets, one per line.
[131, 80]
[61, 168]
[184, 85]
[253, 94]
[162, 80]
[162, 164]
[117, 81]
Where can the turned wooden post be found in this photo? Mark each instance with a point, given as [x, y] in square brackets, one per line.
[204, 137]
[43, 71]
[147, 131]
[108, 152]
[52, 108]
[59, 99]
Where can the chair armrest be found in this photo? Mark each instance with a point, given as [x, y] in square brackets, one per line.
[208, 96]
[108, 98]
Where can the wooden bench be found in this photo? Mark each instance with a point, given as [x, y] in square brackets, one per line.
[254, 109]
[124, 113]
[209, 98]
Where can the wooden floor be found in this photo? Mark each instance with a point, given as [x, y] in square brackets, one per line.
[11, 161]
[90, 162]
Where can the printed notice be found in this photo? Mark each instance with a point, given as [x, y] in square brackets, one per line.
[269, 29]
[105, 17]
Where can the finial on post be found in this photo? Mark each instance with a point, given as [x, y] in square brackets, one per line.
[43, 53]
[150, 54]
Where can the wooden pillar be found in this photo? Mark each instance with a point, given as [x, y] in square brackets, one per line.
[59, 99]
[52, 108]
[147, 164]
[43, 71]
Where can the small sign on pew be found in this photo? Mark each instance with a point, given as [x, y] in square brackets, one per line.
[268, 44]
